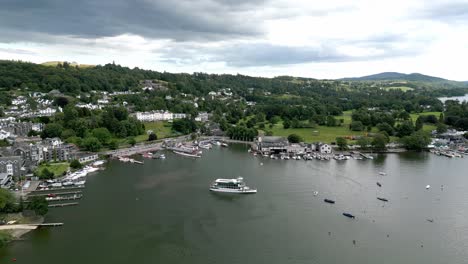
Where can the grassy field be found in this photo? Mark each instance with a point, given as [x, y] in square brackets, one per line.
[54, 63]
[319, 134]
[415, 116]
[162, 130]
[329, 134]
[57, 168]
[403, 88]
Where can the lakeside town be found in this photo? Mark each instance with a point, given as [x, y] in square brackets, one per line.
[51, 141]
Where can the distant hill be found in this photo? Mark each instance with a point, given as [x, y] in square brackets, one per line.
[54, 63]
[396, 76]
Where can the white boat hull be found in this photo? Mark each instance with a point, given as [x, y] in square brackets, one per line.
[187, 154]
[225, 190]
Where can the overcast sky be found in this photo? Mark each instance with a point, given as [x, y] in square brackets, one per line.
[320, 39]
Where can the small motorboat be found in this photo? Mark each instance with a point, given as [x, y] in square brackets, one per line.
[430, 220]
[349, 215]
[378, 184]
[315, 193]
[382, 173]
[428, 186]
[329, 201]
[382, 199]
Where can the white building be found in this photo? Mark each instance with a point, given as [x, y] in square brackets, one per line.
[325, 148]
[4, 134]
[202, 117]
[103, 101]
[47, 112]
[18, 101]
[158, 116]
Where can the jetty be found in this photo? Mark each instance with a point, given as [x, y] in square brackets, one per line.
[28, 226]
[63, 204]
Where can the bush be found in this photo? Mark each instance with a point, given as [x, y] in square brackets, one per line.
[92, 144]
[38, 204]
[294, 138]
[5, 238]
[75, 164]
[46, 174]
[152, 137]
[356, 126]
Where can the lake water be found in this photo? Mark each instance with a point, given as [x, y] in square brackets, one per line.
[162, 212]
[459, 98]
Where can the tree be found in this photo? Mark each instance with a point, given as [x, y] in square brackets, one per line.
[356, 126]
[39, 205]
[113, 144]
[275, 120]
[152, 137]
[342, 143]
[419, 123]
[331, 121]
[75, 164]
[385, 127]
[52, 130]
[441, 128]
[131, 141]
[462, 123]
[61, 101]
[6, 199]
[405, 129]
[379, 142]
[46, 174]
[363, 142]
[294, 138]
[286, 123]
[102, 134]
[416, 141]
[91, 144]
[441, 118]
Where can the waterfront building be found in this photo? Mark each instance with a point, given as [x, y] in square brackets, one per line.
[271, 144]
[11, 165]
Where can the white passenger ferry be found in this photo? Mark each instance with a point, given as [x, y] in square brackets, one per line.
[231, 186]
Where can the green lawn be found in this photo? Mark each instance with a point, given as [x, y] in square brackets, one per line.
[57, 168]
[415, 116]
[403, 88]
[161, 128]
[329, 134]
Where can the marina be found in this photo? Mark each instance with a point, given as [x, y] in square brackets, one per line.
[288, 197]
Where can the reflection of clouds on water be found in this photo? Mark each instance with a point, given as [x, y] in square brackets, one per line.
[157, 180]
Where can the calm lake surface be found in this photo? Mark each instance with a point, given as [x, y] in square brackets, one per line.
[459, 98]
[162, 212]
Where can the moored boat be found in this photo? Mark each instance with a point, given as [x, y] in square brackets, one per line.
[378, 184]
[382, 199]
[329, 201]
[349, 215]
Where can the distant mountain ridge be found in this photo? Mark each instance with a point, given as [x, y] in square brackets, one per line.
[384, 76]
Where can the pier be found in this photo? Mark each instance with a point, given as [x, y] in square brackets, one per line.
[56, 193]
[62, 204]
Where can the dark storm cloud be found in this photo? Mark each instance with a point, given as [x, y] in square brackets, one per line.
[267, 54]
[178, 20]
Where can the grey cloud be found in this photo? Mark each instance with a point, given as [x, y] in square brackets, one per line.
[266, 54]
[179, 20]
[448, 12]
[17, 51]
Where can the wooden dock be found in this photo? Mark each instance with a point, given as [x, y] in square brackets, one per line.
[56, 193]
[58, 189]
[63, 204]
[64, 198]
[48, 224]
